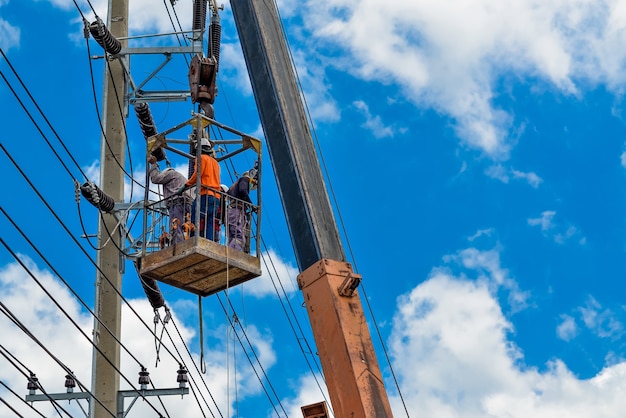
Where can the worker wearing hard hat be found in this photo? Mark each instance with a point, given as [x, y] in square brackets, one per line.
[177, 205]
[209, 194]
[240, 203]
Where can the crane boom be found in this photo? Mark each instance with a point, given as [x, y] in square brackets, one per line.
[327, 281]
[309, 215]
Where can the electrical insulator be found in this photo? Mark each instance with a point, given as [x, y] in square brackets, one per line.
[215, 34]
[144, 116]
[153, 293]
[70, 383]
[144, 378]
[97, 197]
[199, 14]
[182, 377]
[105, 39]
[32, 385]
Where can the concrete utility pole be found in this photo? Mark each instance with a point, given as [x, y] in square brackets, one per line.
[108, 305]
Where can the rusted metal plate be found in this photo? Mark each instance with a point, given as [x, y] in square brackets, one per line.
[317, 410]
[202, 268]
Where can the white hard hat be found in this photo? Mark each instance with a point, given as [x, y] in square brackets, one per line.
[206, 147]
[224, 188]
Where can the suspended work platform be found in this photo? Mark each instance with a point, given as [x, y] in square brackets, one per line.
[200, 266]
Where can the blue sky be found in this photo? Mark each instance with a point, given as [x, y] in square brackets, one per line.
[477, 157]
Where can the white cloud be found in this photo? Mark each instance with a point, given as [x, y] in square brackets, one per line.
[146, 15]
[545, 221]
[307, 390]
[318, 100]
[233, 72]
[504, 174]
[559, 233]
[623, 159]
[487, 267]
[498, 172]
[452, 340]
[374, 124]
[93, 172]
[450, 56]
[569, 232]
[567, 329]
[9, 35]
[452, 336]
[65, 4]
[532, 178]
[28, 302]
[282, 277]
[602, 322]
[480, 233]
[449, 334]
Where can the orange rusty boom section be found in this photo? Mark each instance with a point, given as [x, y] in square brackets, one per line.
[355, 385]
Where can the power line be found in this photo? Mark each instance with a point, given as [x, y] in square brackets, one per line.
[7, 312]
[180, 28]
[292, 327]
[21, 399]
[73, 292]
[255, 356]
[31, 378]
[195, 365]
[82, 332]
[79, 246]
[334, 198]
[101, 124]
[54, 131]
[61, 161]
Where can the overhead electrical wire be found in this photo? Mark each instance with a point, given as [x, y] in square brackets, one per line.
[298, 339]
[7, 312]
[255, 356]
[180, 28]
[69, 287]
[263, 256]
[32, 375]
[130, 175]
[43, 288]
[72, 291]
[266, 255]
[21, 399]
[58, 157]
[334, 198]
[33, 121]
[195, 365]
[292, 327]
[132, 180]
[68, 316]
[30, 116]
[53, 129]
[10, 407]
[101, 123]
[229, 301]
[90, 5]
[32, 379]
[233, 177]
[79, 246]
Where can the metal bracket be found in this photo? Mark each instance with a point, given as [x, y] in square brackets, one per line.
[349, 285]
